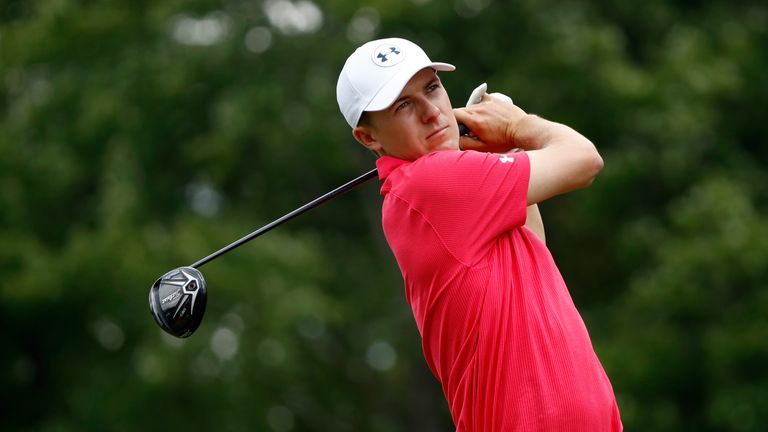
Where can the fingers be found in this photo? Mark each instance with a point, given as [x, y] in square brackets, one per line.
[475, 117]
[471, 143]
[470, 115]
[460, 114]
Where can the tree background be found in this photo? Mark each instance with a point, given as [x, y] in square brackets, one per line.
[139, 136]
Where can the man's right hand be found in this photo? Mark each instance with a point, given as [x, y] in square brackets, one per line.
[493, 124]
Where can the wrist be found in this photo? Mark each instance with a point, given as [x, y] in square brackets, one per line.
[522, 126]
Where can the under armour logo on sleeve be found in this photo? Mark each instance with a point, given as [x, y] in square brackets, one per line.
[506, 158]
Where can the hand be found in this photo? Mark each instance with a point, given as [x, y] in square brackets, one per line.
[493, 124]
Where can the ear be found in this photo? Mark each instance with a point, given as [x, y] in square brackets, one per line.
[366, 135]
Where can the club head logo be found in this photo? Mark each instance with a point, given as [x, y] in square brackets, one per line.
[187, 284]
[388, 55]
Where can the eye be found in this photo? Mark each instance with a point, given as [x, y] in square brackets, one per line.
[402, 106]
[434, 86]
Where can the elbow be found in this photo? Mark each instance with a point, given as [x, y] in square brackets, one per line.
[591, 164]
[596, 165]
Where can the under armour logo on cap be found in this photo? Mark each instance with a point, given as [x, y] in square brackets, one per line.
[388, 55]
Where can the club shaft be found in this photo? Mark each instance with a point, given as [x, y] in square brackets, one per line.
[308, 206]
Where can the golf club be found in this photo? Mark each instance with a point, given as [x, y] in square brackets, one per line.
[177, 299]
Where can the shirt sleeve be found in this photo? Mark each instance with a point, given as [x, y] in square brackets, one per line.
[470, 198]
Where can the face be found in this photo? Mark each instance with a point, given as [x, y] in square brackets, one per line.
[420, 121]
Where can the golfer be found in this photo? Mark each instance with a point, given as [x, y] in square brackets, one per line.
[499, 329]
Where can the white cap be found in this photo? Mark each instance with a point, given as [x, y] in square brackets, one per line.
[376, 73]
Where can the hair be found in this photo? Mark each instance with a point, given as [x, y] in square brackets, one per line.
[365, 119]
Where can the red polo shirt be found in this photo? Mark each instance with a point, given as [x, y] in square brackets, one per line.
[498, 326]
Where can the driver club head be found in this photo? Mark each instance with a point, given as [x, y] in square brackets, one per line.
[177, 301]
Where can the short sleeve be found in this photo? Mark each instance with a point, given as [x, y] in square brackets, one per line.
[470, 198]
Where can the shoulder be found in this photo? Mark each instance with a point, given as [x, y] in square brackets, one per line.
[436, 173]
[445, 162]
[458, 172]
[432, 169]
[448, 164]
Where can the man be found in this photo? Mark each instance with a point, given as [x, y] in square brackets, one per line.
[499, 329]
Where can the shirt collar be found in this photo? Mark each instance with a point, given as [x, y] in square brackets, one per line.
[388, 164]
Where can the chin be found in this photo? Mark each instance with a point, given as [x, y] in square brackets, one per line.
[449, 145]
[452, 141]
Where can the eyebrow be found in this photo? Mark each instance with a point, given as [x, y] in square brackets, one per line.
[402, 98]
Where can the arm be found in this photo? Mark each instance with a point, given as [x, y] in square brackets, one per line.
[534, 223]
[562, 160]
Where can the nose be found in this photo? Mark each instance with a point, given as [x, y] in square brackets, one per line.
[430, 112]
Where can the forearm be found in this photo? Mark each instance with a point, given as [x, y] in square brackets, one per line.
[562, 160]
[535, 133]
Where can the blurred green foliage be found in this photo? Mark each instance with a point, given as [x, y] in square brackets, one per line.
[139, 136]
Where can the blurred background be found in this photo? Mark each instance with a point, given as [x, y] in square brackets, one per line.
[138, 136]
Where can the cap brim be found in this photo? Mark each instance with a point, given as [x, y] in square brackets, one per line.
[391, 90]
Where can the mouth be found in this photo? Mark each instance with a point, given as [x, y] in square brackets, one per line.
[436, 133]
